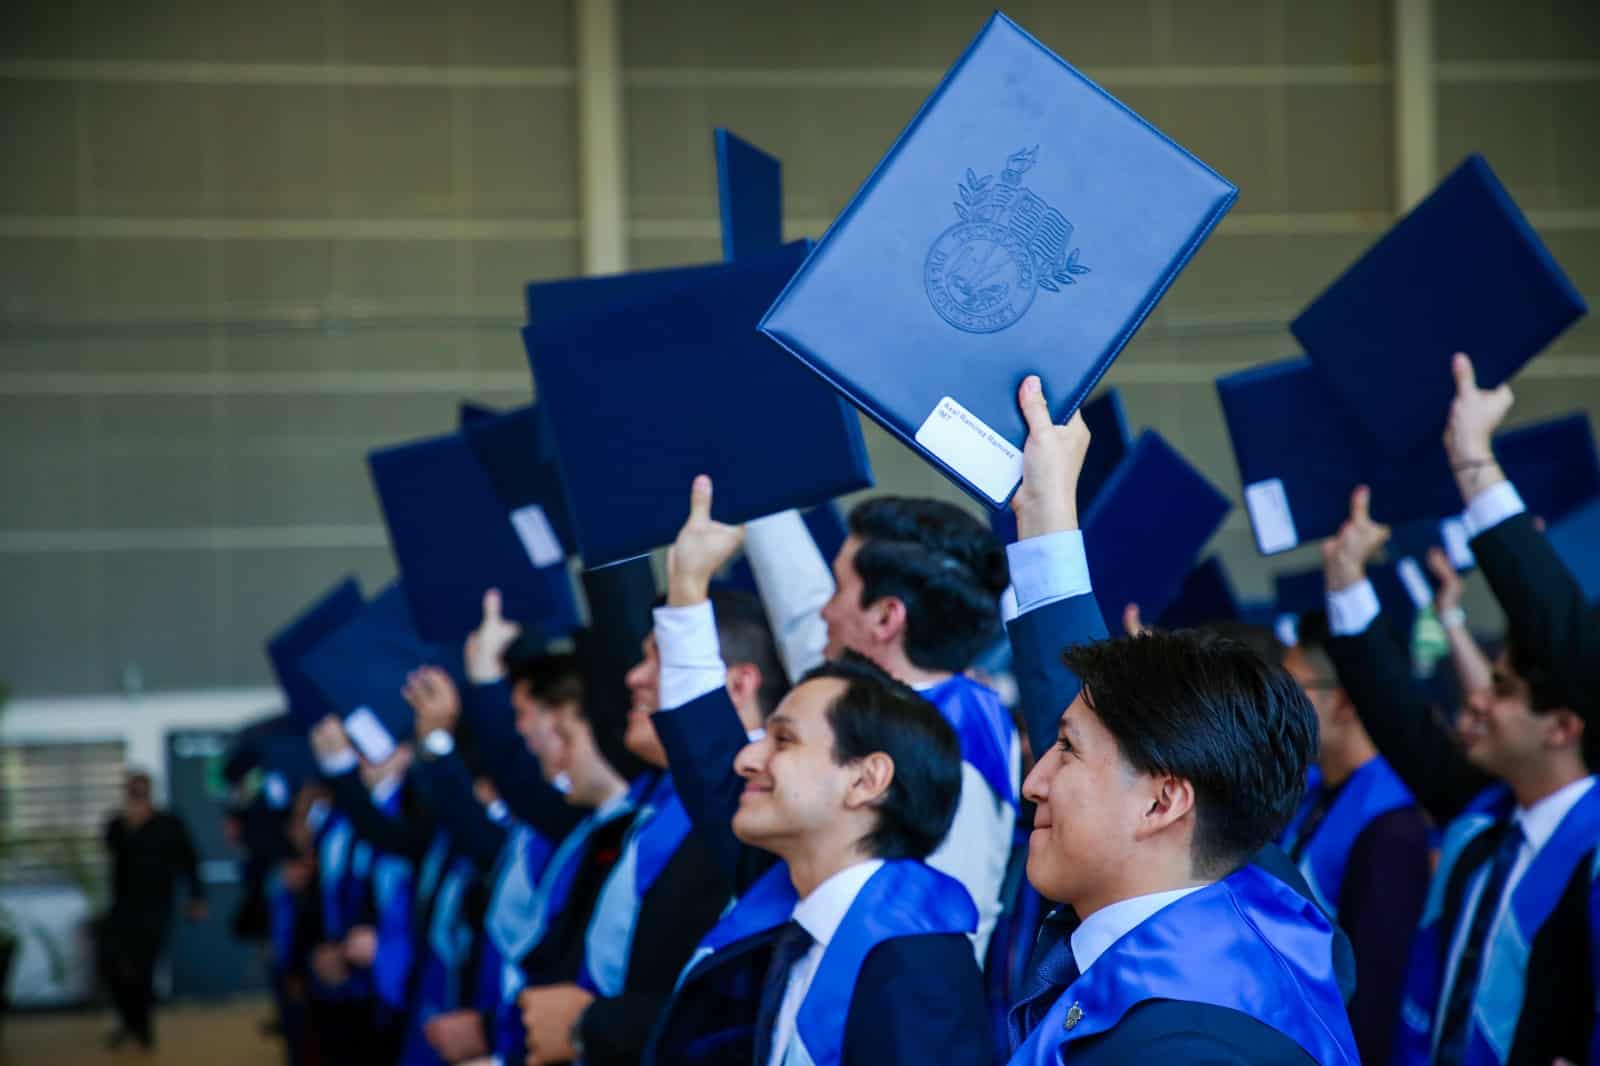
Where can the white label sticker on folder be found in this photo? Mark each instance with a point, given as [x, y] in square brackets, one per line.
[1453, 531]
[1270, 516]
[538, 538]
[368, 734]
[960, 439]
[1417, 586]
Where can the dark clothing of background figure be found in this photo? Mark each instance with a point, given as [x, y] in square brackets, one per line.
[147, 861]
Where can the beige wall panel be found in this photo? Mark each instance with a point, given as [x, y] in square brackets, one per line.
[522, 143]
[1358, 32]
[38, 123]
[1338, 154]
[277, 150]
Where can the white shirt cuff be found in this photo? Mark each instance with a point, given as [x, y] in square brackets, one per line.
[439, 742]
[1048, 568]
[341, 762]
[1352, 610]
[1492, 506]
[795, 583]
[691, 655]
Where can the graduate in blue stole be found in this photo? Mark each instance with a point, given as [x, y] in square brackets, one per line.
[1181, 756]
[1361, 841]
[1503, 968]
[916, 588]
[851, 948]
[669, 887]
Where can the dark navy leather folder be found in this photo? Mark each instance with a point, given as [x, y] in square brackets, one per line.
[644, 394]
[1206, 596]
[1300, 456]
[361, 668]
[517, 452]
[1463, 272]
[1147, 527]
[286, 647]
[1576, 538]
[750, 196]
[453, 539]
[1024, 222]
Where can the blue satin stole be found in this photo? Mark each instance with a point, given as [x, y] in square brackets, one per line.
[985, 729]
[1498, 1004]
[1372, 791]
[904, 898]
[657, 831]
[1249, 943]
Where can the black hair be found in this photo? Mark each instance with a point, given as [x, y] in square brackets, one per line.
[947, 567]
[1547, 691]
[876, 713]
[746, 637]
[551, 677]
[1210, 711]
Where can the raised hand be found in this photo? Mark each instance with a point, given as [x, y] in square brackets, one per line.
[433, 699]
[703, 547]
[1346, 554]
[486, 647]
[1132, 623]
[1052, 459]
[361, 946]
[1448, 597]
[328, 741]
[1474, 416]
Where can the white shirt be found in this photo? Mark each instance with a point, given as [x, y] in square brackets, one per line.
[1538, 823]
[818, 914]
[1351, 610]
[1095, 935]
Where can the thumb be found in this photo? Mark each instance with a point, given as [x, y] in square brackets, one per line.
[1461, 370]
[700, 498]
[1030, 397]
[1361, 504]
[1131, 622]
[491, 606]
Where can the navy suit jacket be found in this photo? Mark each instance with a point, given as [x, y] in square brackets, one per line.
[917, 999]
[1186, 1032]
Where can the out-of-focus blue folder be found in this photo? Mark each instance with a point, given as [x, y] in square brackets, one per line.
[750, 196]
[1576, 538]
[286, 647]
[517, 452]
[1462, 272]
[644, 394]
[1206, 596]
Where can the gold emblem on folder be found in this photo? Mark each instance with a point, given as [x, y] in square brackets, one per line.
[1074, 1016]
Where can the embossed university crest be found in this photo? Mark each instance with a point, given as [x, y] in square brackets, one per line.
[983, 272]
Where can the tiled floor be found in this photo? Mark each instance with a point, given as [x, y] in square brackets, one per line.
[186, 1036]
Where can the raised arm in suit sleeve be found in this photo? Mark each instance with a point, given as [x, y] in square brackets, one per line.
[699, 726]
[510, 765]
[395, 836]
[1544, 606]
[1375, 673]
[795, 583]
[1057, 610]
[444, 782]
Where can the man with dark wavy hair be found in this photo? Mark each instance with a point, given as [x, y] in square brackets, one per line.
[916, 590]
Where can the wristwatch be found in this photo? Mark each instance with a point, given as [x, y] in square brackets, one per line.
[439, 743]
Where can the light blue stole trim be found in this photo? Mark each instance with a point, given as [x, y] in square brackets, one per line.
[984, 727]
[903, 898]
[656, 833]
[1371, 792]
[1497, 1003]
[1249, 943]
[333, 859]
[391, 969]
[450, 938]
[432, 867]
[515, 917]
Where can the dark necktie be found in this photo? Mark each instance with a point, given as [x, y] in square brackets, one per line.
[1458, 1011]
[1055, 972]
[788, 947]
